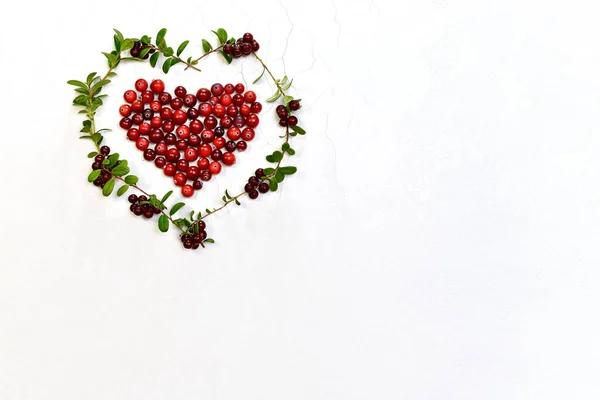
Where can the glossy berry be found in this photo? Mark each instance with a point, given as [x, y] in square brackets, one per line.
[189, 100]
[197, 185]
[214, 167]
[292, 121]
[255, 46]
[256, 107]
[230, 146]
[250, 96]
[217, 89]
[228, 158]
[210, 122]
[170, 138]
[219, 131]
[208, 136]
[157, 86]
[130, 96]
[205, 150]
[149, 155]
[187, 191]
[132, 198]
[191, 154]
[253, 194]
[180, 92]
[193, 173]
[137, 106]
[176, 103]
[105, 150]
[239, 88]
[227, 48]
[196, 126]
[170, 170]
[229, 88]
[164, 98]
[147, 96]
[179, 179]
[125, 110]
[248, 187]
[248, 38]
[294, 105]
[216, 155]
[182, 165]
[193, 113]
[160, 162]
[133, 134]
[137, 119]
[172, 155]
[142, 143]
[161, 148]
[263, 187]
[203, 94]
[205, 175]
[259, 173]
[148, 113]
[194, 140]
[203, 163]
[248, 134]
[241, 146]
[141, 85]
[281, 111]
[253, 120]
[234, 133]
[96, 165]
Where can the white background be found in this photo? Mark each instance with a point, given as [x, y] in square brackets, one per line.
[440, 240]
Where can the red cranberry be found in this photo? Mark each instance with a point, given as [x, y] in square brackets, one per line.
[239, 88]
[161, 148]
[187, 191]
[130, 96]
[239, 121]
[232, 111]
[219, 142]
[241, 146]
[196, 126]
[142, 143]
[248, 38]
[157, 86]
[173, 154]
[168, 126]
[125, 123]
[125, 110]
[197, 185]
[170, 170]
[255, 46]
[216, 155]
[193, 113]
[170, 139]
[149, 155]
[156, 122]
[230, 146]
[183, 132]
[189, 100]
[147, 96]
[250, 97]
[208, 136]
[203, 94]
[226, 122]
[256, 107]
[248, 134]
[229, 88]
[137, 119]
[237, 100]
[180, 91]
[133, 134]
[179, 117]
[181, 144]
[245, 110]
[205, 150]
[141, 85]
[214, 168]
[210, 122]
[219, 131]
[203, 163]
[160, 162]
[294, 105]
[194, 140]
[217, 89]
[164, 98]
[252, 120]
[182, 165]
[263, 187]
[176, 103]
[156, 136]
[205, 175]
[219, 110]
[166, 113]
[145, 128]
[225, 100]
[205, 109]
[193, 173]
[292, 121]
[155, 106]
[191, 154]
[228, 158]
[179, 179]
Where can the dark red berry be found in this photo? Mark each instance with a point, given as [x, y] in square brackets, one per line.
[292, 121]
[217, 89]
[253, 194]
[164, 98]
[241, 146]
[263, 187]
[180, 92]
[197, 185]
[259, 173]
[160, 162]
[294, 105]
[132, 198]
[255, 46]
[149, 155]
[105, 150]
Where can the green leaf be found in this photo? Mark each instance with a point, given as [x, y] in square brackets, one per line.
[260, 76]
[192, 215]
[207, 211]
[291, 151]
[145, 52]
[182, 47]
[285, 146]
[117, 42]
[176, 208]
[154, 59]
[209, 240]
[221, 35]
[283, 81]
[112, 59]
[131, 179]
[163, 223]
[279, 176]
[166, 196]
[274, 97]
[286, 87]
[127, 44]
[288, 170]
[113, 158]
[121, 169]
[227, 194]
[105, 161]
[287, 99]
[268, 171]
[168, 51]
[166, 65]
[90, 77]
[108, 187]
[224, 199]
[97, 138]
[145, 39]
[122, 190]
[277, 156]
[92, 154]
[298, 130]
[99, 84]
[77, 83]
[160, 36]
[270, 158]
[94, 175]
[119, 34]
[227, 57]
[273, 185]
[237, 202]
[206, 46]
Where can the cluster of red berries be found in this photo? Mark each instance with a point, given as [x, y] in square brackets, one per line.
[285, 119]
[151, 115]
[137, 48]
[145, 209]
[243, 47]
[255, 186]
[192, 241]
[105, 175]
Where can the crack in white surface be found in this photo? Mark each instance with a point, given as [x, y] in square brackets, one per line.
[334, 153]
[335, 14]
[287, 38]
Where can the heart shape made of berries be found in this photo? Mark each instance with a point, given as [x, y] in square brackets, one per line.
[190, 136]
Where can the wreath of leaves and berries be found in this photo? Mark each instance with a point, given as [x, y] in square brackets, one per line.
[109, 170]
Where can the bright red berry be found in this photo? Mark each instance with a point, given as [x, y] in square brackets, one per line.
[219, 142]
[142, 143]
[256, 107]
[125, 110]
[157, 86]
[137, 106]
[130, 96]
[173, 154]
[193, 173]
[180, 92]
[203, 163]
[179, 179]
[133, 134]
[248, 134]
[214, 168]
[147, 96]
[250, 96]
[141, 85]
[145, 128]
[170, 170]
[252, 121]
[239, 88]
[183, 132]
[203, 94]
[217, 89]
[182, 165]
[228, 158]
[234, 133]
[187, 191]
[191, 154]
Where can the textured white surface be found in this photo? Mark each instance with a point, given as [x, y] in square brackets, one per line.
[440, 240]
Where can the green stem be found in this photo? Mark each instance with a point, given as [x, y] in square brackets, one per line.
[202, 56]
